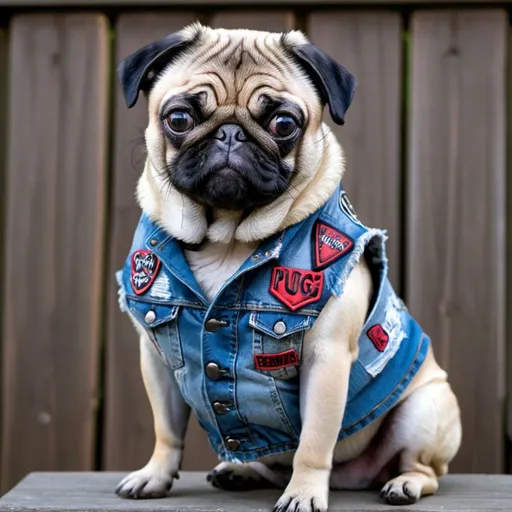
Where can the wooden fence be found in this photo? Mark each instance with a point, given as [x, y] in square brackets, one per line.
[426, 144]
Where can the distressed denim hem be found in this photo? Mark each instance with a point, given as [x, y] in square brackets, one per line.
[258, 453]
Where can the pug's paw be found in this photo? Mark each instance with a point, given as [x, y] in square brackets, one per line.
[145, 484]
[301, 502]
[401, 492]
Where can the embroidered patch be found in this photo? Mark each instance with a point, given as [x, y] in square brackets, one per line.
[145, 266]
[296, 287]
[330, 245]
[270, 362]
[347, 207]
[379, 337]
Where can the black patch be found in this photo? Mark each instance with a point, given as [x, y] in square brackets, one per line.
[347, 208]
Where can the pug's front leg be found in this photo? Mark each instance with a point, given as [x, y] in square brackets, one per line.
[170, 415]
[326, 387]
[329, 350]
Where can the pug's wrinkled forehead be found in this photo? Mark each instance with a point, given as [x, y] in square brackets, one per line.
[226, 69]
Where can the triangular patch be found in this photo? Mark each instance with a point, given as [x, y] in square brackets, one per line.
[330, 245]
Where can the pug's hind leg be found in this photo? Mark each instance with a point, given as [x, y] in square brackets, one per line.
[428, 426]
[170, 415]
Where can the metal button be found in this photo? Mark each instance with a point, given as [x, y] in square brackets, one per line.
[233, 444]
[220, 407]
[213, 325]
[255, 257]
[150, 317]
[213, 371]
[280, 327]
[267, 254]
[153, 242]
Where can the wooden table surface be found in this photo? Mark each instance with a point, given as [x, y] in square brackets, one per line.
[87, 492]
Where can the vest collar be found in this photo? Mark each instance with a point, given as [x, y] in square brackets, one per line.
[169, 250]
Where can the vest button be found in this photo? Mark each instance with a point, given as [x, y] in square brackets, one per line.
[279, 327]
[213, 371]
[233, 444]
[213, 325]
[220, 407]
[150, 317]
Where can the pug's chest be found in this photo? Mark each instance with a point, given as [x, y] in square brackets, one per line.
[215, 263]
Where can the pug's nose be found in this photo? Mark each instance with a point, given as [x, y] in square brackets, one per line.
[230, 137]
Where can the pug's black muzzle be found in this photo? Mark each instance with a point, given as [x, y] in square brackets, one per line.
[230, 170]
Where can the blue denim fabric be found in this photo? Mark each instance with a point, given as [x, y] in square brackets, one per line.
[263, 405]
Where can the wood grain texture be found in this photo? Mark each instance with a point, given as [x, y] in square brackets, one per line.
[456, 213]
[88, 492]
[54, 242]
[128, 433]
[270, 21]
[368, 44]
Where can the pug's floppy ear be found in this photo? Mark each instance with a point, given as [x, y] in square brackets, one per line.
[138, 71]
[334, 83]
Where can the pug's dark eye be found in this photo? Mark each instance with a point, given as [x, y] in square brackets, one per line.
[283, 126]
[179, 121]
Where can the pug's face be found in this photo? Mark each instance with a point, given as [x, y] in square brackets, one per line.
[235, 115]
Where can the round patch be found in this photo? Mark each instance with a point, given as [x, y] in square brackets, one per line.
[347, 208]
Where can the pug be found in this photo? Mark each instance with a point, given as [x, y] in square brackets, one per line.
[261, 300]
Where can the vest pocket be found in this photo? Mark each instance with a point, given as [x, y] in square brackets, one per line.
[161, 324]
[277, 343]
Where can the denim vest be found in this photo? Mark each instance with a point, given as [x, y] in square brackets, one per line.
[236, 359]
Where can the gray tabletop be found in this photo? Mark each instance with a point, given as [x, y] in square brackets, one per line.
[90, 492]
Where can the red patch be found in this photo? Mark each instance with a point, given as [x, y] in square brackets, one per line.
[269, 362]
[296, 287]
[330, 245]
[145, 267]
[379, 337]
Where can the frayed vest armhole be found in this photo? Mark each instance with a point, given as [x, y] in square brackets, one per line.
[372, 241]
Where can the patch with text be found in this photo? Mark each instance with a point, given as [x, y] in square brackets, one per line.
[296, 287]
[144, 268]
[270, 362]
[330, 245]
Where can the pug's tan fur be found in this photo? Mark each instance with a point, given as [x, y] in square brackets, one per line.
[233, 68]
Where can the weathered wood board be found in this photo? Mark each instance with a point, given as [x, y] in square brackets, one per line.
[54, 242]
[456, 213]
[87, 492]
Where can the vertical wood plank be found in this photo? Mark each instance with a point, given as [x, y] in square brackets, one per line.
[508, 326]
[3, 140]
[270, 21]
[368, 44]
[54, 242]
[129, 437]
[456, 214]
